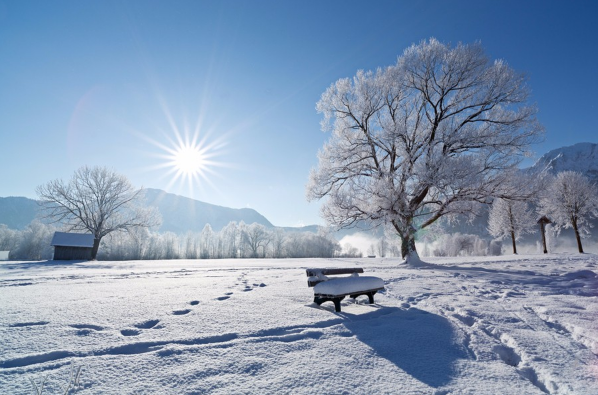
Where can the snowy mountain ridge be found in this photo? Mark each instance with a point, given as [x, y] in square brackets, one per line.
[580, 157]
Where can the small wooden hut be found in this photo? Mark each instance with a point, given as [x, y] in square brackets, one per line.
[72, 246]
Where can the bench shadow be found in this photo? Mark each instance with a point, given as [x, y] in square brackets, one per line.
[422, 344]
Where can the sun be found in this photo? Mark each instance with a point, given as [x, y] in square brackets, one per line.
[189, 156]
[189, 160]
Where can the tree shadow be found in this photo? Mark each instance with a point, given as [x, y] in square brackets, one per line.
[422, 344]
[581, 282]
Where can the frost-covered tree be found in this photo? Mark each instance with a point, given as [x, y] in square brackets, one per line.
[170, 245]
[509, 218]
[571, 201]
[278, 240]
[256, 236]
[8, 238]
[230, 235]
[97, 200]
[207, 242]
[192, 246]
[382, 246]
[34, 242]
[432, 136]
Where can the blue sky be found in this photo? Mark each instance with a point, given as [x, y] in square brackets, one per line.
[111, 83]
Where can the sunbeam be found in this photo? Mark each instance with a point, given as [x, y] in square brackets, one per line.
[189, 156]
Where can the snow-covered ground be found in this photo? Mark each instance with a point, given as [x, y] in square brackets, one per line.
[500, 325]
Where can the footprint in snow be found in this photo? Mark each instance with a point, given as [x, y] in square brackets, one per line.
[223, 298]
[87, 326]
[194, 302]
[85, 329]
[147, 324]
[129, 332]
[22, 324]
[181, 312]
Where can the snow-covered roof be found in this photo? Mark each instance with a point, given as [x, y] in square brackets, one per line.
[64, 239]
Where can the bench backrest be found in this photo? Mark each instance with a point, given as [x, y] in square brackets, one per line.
[316, 276]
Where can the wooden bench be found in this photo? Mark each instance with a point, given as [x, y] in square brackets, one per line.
[335, 289]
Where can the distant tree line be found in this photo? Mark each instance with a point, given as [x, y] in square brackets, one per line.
[235, 240]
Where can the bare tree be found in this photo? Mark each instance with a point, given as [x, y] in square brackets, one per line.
[570, 202]
[512, 219]
[207, 242]
[97, 200]
[256, 236]
[8, 238]
[278, 240]
[230, 235]
[34, 242]
[435, 135]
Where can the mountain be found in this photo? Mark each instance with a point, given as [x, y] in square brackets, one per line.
[181, 214]
[17, 212]
[581, 157]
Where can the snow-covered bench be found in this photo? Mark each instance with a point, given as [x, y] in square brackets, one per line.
[335, 289]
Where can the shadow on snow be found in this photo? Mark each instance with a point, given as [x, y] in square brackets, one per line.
[422, 344]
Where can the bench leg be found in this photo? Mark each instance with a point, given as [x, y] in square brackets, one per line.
[337, 304]
[370, 296]
[336, 301]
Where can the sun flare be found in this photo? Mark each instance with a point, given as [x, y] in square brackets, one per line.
[189, 160]
[190, 155]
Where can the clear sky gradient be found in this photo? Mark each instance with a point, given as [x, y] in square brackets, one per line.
[112, 83]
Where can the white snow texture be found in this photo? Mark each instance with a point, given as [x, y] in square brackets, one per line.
[494, 325]
[347, 285]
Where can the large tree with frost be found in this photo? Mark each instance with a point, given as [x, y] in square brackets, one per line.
[96, 200]
[510, 218]
[434, 135]
[571, 201]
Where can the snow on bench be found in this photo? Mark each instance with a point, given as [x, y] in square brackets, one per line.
[335, 289]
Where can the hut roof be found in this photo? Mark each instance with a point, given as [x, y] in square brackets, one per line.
[64, 239]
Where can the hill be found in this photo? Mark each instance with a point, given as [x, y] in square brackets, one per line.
[17, 212]
[181, 214]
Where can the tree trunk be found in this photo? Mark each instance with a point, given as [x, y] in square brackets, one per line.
[577, 237]
[408, 250]
[94, 249]
[543, 238]
[514, 245]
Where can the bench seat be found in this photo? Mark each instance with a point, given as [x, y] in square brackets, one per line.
[348, 286]
[336, 289]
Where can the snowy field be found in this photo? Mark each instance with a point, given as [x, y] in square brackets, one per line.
[500, 325]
